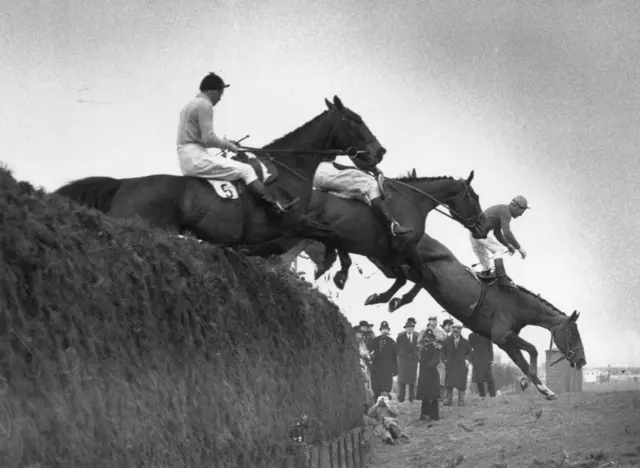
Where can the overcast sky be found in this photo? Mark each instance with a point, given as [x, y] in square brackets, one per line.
[540, 98]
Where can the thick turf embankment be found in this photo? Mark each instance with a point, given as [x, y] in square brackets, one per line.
[122, 346]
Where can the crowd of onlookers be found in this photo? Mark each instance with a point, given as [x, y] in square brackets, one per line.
[429, 365]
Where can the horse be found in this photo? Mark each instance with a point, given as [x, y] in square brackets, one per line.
[226, 214]
[359, 231]
[497, 313]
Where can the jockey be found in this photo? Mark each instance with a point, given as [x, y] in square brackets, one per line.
[195, 135]
[497, 219]
[347, 179]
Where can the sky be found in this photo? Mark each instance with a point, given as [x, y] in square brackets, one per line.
[539, 98]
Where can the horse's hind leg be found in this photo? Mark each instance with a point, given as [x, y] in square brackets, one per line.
[345, 263]
[381, 298]
[513, 346]
[408, 298]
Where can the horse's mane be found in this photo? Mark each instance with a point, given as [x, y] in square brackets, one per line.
[541, 299]
[408, 177]
[291, 134]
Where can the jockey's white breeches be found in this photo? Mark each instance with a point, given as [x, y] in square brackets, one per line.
[196, 161]
[487, 250]
[328, 177]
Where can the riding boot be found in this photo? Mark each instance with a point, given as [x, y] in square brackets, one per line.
[460, 397]
[501, 274]
[380, 205]
[449, 398]
[258, 189]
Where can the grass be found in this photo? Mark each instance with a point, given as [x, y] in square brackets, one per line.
[586, 430]
[123, 346]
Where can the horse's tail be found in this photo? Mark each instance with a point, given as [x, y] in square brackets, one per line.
[94, 192]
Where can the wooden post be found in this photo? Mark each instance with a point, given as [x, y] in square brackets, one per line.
[314, 462]
[355, 443]
[325, 456]
[334, 454]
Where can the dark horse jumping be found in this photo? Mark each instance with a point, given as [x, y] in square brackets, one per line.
[229, 215]
[359, 231]
[497, 313]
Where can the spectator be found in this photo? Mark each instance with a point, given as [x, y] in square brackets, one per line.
[367, 333]
[429, 379]
[384, 417]
[456, 353]
[482, 359]
[442, 369]
[365, 365]
[384, 364]
[407, 345]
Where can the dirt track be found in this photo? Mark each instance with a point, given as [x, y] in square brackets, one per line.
[588, 430]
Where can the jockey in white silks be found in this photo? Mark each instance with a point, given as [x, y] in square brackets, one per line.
[497, 226]
[196, 135]
[343, 179]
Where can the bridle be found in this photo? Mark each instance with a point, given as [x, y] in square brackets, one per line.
[351, 152]
[571, 353]
[470, 222]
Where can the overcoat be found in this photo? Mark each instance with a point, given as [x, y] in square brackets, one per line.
[407, 358]
[481, 358]
[384, 363]
[429, 378]
[455, 359]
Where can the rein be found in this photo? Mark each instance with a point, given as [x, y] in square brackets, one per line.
[431, 197]
[569, 355]
[351, 152]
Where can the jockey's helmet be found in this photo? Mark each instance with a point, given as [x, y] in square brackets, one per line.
[520, 202]
[212, 82]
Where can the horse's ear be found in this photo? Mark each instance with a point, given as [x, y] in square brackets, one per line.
[470, 178]
[338, 103]
[574, 316]
[330, 106]
[414, 174]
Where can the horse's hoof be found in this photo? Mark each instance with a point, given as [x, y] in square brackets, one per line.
[395, 304]
[340, 280]
[373, 299]
[551, 396]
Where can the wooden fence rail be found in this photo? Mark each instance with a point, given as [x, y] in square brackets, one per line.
[347, 451]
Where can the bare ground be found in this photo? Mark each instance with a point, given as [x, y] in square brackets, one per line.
[587, 430]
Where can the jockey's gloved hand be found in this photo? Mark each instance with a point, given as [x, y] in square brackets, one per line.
[523, 253]
[511, 250]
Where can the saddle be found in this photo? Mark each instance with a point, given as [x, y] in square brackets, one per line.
[231, 190]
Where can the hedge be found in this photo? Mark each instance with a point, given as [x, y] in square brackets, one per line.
[123, 345]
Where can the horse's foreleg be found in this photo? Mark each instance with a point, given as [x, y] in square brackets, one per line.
[381, 298]
[345, 263]
[513, 346]
[408, 298]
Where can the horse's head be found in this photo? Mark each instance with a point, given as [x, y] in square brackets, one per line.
[351, 134]
[464, 206]
[567, 339]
